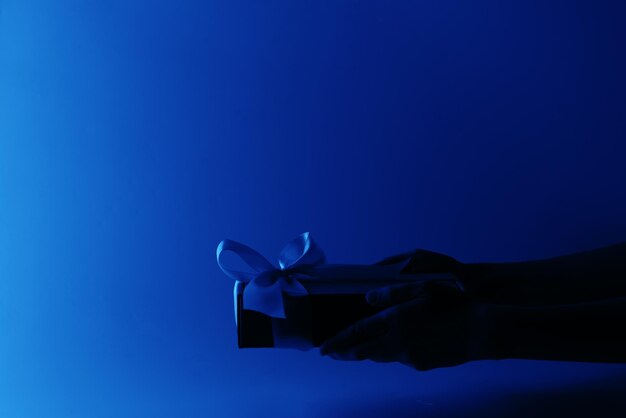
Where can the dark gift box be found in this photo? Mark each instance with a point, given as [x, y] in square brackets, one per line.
[329, 314]
[305, 301]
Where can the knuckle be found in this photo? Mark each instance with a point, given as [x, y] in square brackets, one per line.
[360, 355]
[419, 364]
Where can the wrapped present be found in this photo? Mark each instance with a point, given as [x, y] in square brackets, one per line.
[305, 300]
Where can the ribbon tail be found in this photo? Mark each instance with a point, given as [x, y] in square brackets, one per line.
[267, 299]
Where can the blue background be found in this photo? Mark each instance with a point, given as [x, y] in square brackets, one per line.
[135, 135]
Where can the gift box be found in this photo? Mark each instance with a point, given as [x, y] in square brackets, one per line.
[305, 300]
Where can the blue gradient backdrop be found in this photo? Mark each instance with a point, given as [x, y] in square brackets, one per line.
[135, 135]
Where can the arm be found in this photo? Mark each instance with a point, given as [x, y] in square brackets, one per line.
[569, 308]
[442, 328]
[574, 278]
[590, 332]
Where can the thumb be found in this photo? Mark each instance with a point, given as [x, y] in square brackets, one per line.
[394, 259]
[394, 295]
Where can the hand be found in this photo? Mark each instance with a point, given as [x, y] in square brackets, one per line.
[426, 326]
[424, 261]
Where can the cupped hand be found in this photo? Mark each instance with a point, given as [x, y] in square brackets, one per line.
[424, 326]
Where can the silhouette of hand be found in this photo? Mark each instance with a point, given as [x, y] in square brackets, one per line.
[426, 325]
[424, 261]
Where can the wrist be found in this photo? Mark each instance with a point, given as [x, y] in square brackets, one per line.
[477, 279]
[479, 347]
[512, 332]
[499, 332]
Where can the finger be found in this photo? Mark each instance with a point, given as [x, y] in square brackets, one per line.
[359, 332]
[396, 294]
[422, 261]
[378, 349]
[394, 258]
[451, 290]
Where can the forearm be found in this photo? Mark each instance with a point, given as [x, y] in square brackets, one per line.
[575, 278]
[591, 332]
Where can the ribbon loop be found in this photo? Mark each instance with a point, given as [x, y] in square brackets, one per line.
[247, 254]
[301, 250]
